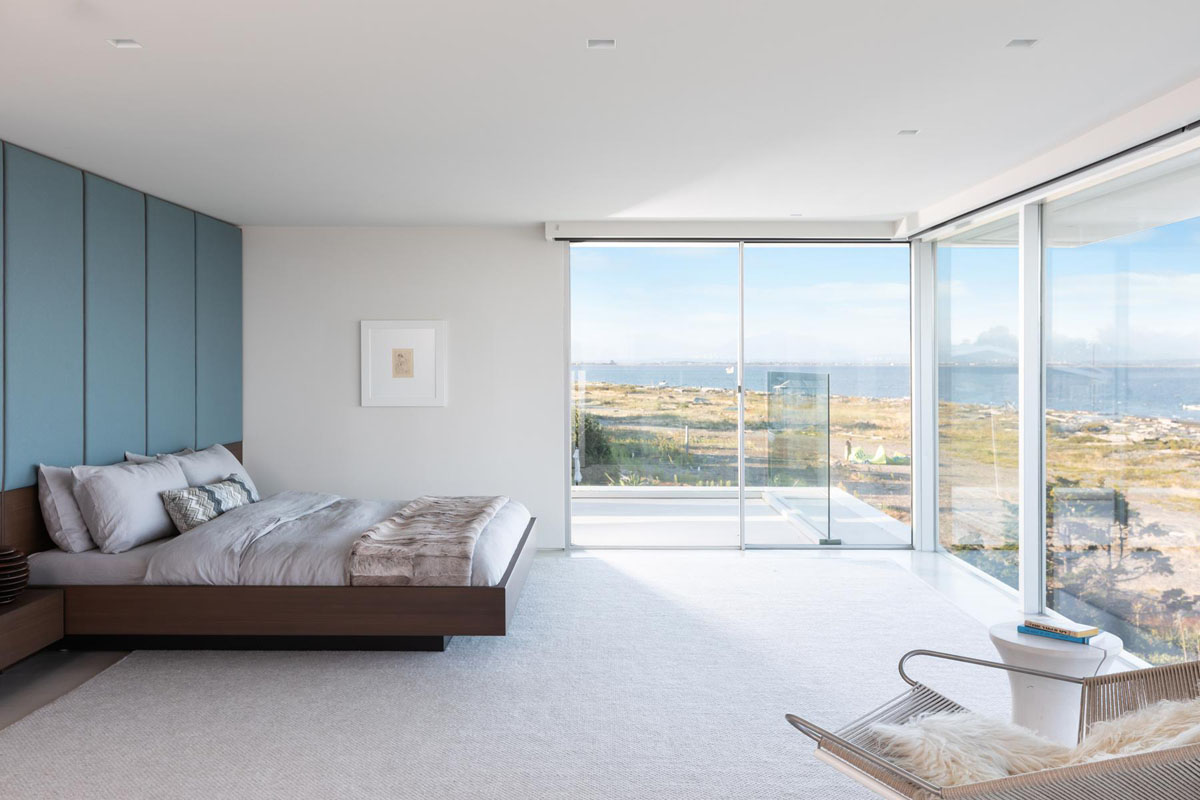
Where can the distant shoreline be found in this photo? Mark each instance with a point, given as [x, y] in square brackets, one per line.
[1171, 392]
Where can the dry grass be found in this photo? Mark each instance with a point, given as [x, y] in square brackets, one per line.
[688, 436]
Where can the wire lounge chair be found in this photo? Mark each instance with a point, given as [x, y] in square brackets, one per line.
[1169, 774]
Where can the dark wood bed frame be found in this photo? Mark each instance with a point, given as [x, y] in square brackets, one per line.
[271, 617]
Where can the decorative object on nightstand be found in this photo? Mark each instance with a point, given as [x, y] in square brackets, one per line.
[14, 574]
[1063, 630]
[32, 621]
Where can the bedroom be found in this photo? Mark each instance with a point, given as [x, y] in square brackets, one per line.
[745, 383]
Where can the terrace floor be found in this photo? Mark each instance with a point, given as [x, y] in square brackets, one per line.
[604, 516]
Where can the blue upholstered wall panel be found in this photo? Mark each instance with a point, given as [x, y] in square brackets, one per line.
[114, 250]
[43, 394]
[170, 327]
[218, 332]
[3, 247]
[113, 304]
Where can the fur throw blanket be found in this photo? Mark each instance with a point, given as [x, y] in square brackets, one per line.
[429, 542]
[950, 749]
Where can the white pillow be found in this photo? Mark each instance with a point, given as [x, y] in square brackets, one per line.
[139, 458]
[60, 512]
[121, 505]
[211, 465]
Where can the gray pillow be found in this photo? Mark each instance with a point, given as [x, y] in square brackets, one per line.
[60, 512]
[121, 503]
[210, 465]
[139, 458]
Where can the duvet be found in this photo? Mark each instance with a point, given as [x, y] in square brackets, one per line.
[305, 539]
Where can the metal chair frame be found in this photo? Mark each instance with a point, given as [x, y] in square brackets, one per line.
[1170, 774]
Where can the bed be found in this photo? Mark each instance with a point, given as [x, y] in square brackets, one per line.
[228, 584]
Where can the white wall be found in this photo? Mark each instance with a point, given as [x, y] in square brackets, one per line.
[502, 289]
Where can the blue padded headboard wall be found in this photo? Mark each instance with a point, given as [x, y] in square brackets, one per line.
[121, 327]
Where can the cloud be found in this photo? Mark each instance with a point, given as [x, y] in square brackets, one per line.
[1131, 316]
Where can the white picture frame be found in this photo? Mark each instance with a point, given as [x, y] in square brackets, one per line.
[404, 362]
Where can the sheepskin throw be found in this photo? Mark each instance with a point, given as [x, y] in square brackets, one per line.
[429, 542]
[951, 749]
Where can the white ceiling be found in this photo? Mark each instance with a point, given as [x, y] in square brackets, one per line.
[354, 112]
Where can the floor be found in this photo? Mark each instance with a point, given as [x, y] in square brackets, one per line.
[43, 678]
[626, 674]
[774, 518]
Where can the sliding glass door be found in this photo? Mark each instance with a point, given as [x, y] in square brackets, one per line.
[654, 354]
[665, 449]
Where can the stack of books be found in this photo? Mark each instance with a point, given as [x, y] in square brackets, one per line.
[1059, 629]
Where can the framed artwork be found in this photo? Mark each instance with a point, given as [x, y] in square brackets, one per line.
[403, 362]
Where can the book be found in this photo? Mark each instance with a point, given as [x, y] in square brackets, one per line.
[1064, 627]
[1053, 635]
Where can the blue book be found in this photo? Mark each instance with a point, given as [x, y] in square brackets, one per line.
[1053, 635]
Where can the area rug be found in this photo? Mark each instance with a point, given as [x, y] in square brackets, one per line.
[632, 675]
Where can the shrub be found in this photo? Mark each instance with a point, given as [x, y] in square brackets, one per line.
[597, 445]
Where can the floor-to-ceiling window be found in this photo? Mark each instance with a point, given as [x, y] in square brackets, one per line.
[1111, 343]
[1122, 353]
[659, 431]
[977, 325]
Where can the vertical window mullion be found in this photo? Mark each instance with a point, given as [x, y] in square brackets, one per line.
[1031, 418]
[741, 396]
[923, 350]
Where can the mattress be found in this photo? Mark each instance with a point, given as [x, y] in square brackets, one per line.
[91, 567]
[308, 554]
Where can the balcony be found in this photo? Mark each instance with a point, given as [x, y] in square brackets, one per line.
[680, 516]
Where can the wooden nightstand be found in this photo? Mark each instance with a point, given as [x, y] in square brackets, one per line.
[32, 621]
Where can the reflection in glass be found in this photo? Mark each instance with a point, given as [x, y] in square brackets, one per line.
[977, 307]
[1123, 408]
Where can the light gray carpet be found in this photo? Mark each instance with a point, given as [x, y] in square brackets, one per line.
[661, 675]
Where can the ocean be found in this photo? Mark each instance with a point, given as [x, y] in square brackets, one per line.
[1142, 391]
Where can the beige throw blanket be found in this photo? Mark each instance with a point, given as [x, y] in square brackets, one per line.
[429, 542]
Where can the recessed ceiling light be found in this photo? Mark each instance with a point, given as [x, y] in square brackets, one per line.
[602, 44]
[1026, 43]
[793, 214]
[907, 132]
[125, 44]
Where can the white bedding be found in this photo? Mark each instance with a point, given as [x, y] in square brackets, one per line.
[290, 539]
[60, 568]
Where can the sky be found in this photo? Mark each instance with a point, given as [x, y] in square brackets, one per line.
[977, 304]
[804, 303]
[1130, 299]
[1133, 299]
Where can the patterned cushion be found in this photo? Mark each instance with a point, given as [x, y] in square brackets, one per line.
[197, 505]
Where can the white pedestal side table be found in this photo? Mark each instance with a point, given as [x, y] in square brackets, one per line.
[1046, 706]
